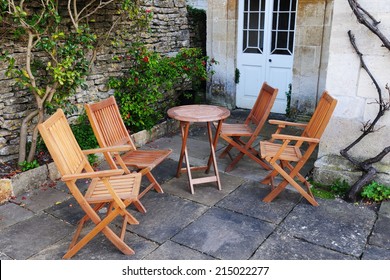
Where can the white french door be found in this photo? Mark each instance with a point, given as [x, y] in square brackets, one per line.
[266, 30]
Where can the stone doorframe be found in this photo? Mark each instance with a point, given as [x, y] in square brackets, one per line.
[310, 59]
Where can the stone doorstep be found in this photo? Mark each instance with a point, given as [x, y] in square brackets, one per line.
[38, 176]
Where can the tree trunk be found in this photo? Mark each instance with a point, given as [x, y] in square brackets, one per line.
[357, 187]
[23, 135]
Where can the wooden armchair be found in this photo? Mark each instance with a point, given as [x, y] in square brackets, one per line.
[242, 136]
[286, 156]
[110, 131]
[108, 188]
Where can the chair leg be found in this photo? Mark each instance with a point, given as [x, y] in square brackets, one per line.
[153, 184]
[81, 224]
[234, 162]
[101, 226]
[270, 177]
[140, 207]
[288, 179]
[244, 151]
[226, 151]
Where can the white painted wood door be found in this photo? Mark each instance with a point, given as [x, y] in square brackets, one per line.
[266, 30]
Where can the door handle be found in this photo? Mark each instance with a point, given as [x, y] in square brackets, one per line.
[270, 60]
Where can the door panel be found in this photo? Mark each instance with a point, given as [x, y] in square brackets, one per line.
[265, 49]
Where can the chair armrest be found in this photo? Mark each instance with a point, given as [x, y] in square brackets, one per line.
[121, 148]
[295, 138]
[97, 174]
[285, 123]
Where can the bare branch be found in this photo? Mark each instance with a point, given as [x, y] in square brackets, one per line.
[377, 158]
[369, 21]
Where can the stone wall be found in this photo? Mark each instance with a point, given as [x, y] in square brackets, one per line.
[310, 54]
[221, 45]
[170, 32]
[355, 92]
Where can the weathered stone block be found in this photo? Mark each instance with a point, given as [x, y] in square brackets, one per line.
[30, 179]
[5, 190]
[329, 168]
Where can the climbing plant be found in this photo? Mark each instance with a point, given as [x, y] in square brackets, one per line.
[60, 48]
[366, 166]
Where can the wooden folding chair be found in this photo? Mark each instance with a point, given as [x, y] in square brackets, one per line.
[281, 155]
[234, 133]
[108, 187]
[110, 131]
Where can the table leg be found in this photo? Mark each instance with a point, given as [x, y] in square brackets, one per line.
[212, 157]
[184, 153]
[215, 142]
[184, 126]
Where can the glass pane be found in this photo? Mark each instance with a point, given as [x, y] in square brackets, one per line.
[262, 20]
[281, 42]
[254, 5]
[261, 41]
[292, 21]
[245, 20]
[252, 50]
[246, 5]
[284, 5]
[262, 5]
[293, 5]
[291, 42]
[244, 40]
[253, 38]
[280, 21]
[254, 21]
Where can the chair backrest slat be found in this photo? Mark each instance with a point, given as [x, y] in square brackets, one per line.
[62, 144]
[107, 123]
[320, 119]
[262, 107]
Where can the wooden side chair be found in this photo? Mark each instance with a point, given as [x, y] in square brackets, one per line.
[110, 131]
[108, 187]
[287, 158]
[250, 129]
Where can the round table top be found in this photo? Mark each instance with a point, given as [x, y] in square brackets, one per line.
[198, 113]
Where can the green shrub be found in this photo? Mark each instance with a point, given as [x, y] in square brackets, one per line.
[140, 92]
[337, 189]
[376, 192]
[84, 135]
[25, 165]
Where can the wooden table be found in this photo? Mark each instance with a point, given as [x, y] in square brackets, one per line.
[199, 113]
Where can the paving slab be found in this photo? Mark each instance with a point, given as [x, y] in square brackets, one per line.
[375, 253]
[385, 208]
[27, 238]
[41, 198]
[68, 210]
[208, 193]
[380, 235]
[99, 248]
[4, 257]
[163, 172]
[335, 224]
[246, 167]
[224, 234]
[12, 213]
[247, 200]
[166, 215]
[282, 247]
[173, 251]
